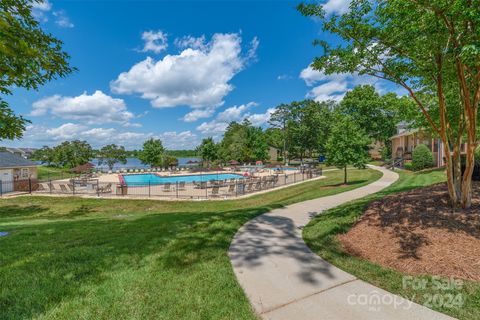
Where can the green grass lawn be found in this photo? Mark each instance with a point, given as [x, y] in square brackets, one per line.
[52, 173]
[320, 235]
[73, 258]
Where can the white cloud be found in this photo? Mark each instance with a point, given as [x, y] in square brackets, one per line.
[334, 86]
[199, 76]
[179, 140]
[337, 6]
[217, 126]
[40, 9]
[38, 135]
[190, 42]
[196, 114]
[97, 108]
[62, 20]
[155, 41]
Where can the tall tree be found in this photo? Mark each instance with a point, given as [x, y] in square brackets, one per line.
[208, 150]
[45, 154]
[29, 58]
[70, 154]
[152, 153]
[348, 144]
[428, 48]
[279, 119]
[111, 154]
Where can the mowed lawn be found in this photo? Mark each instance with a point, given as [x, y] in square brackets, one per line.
[321, 236]
[73, 258]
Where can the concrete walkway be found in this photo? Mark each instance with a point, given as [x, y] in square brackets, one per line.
[283, 279]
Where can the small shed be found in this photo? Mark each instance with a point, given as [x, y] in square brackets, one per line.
[15, 168]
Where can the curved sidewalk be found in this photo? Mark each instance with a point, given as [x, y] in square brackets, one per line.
[283, 279]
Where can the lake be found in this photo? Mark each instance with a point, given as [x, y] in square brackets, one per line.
[135, 163]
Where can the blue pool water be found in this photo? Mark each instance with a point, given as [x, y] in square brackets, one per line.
[144, 179]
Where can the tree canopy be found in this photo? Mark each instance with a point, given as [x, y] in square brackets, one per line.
[111, 154]
[30, 58]
[152, 153]
[430, 48]
[348, 144]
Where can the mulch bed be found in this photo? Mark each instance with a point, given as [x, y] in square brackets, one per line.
[417, 232]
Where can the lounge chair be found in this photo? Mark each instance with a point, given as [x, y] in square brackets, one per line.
[181, 185]
[231, 189]
[249, 187]
[215, 191]
[41, 187]
[105, 189]
[258, 185]
[64, 188]
[166, 187]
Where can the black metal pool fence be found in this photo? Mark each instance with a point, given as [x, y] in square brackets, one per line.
[211, 189]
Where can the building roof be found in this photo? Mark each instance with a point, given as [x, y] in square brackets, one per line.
[9, 160]
[404, 133]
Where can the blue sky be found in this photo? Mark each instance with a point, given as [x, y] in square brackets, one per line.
[179, 71]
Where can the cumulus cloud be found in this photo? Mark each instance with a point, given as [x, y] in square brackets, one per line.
[39, 135]
[334, 86]
[197, 114]
[217, 126]
[199, 76]
[190, 42]
[97, 108]
[337, 6]
[40, 9]
[155, 41]
[62, 20]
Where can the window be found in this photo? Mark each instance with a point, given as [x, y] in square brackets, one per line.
[25, 173]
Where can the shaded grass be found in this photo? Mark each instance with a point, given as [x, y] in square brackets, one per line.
[71, 258]
[320, 235]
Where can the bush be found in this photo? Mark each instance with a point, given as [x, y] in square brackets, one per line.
[422, 158]
[408, 166]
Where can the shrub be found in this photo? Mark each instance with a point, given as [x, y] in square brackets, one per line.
[422, 158]
[408, 166]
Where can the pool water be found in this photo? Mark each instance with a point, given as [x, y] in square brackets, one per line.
[145, 179]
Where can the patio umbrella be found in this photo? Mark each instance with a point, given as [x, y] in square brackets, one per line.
[259, 163]
[234, 162]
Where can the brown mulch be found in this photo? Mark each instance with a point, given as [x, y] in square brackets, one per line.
[417, 232]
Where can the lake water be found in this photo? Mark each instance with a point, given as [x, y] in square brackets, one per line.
[135, 163]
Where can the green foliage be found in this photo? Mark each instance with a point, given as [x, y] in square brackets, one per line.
[243, 142]
[422, 158]
[181, 153]
[111, 154]
[348, 144]
[305, 126]
[12, 126]
[377, 115]
[68, 154]
[208, 150]
[29, 58]
[408, 166]
[152, 153]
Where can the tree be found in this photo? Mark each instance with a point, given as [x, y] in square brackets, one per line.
[111, 154]
[29, 59]
[274, 138]
[430, 48]
[152, 153]
[44, 154]
[169, 161]
[70, 154]
[208, 150]
[256, 144]
[374, 113]
[348, 144]
[279, 119]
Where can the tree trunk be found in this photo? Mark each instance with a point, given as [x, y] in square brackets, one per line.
[345, 175]
[467, 175]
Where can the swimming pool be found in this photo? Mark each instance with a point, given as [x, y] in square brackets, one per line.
[149, 178]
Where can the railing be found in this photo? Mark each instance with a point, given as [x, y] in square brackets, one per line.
[202, 189]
